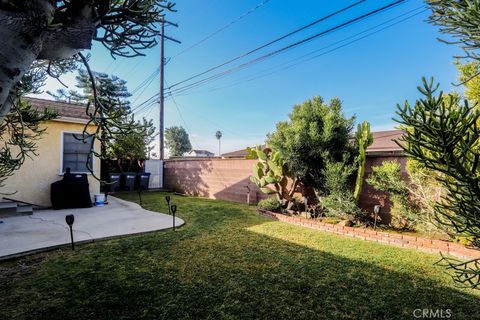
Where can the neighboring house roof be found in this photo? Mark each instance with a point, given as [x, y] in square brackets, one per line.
[238, 154]
[201, 152]
[65, 110]
[383, 141]
[235, 154]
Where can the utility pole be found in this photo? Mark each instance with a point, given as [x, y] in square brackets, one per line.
[162, 88]
[162, 85]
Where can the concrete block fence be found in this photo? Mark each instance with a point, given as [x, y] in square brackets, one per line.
[399, 240]
[229, 179]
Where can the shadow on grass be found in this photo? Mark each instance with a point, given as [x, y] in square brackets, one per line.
[227, 262]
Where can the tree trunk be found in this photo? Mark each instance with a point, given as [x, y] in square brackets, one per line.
[27, 36]
[21, 33]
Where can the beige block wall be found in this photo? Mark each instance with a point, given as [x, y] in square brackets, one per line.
[227, 179]
[214, 178]
[31, 183]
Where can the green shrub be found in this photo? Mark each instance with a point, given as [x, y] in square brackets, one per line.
[339, 200]
[388, 178]
[341, 205]
[270, 204]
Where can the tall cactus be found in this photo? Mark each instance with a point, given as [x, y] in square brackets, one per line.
[270, 174]
[363, 138]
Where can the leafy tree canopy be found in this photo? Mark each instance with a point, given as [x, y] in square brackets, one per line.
[468, 76]
[133, 146]
[177, 141]
[315, 133]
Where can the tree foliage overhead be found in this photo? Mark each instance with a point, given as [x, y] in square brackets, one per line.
[46, 30]
[443, 135]
[177, 141]
[315, 133]
[42, 38]
[19, 135]
[112, 92]
[459, 19]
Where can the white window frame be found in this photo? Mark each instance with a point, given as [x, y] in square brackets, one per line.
[61, 173]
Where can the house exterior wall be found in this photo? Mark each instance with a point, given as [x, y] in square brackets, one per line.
[31, 183]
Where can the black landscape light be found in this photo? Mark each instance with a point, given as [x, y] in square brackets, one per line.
[167, 198]
[376, 211]
[69, 220]
[174, 209]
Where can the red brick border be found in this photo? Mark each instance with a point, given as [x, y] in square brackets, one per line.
[399, 240]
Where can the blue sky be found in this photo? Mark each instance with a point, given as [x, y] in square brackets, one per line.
[370, 75]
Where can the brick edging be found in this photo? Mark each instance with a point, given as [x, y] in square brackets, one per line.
[399, 240]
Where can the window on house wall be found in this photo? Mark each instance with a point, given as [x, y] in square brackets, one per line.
[75, 153]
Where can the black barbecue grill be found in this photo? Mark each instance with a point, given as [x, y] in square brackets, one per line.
[71, 192]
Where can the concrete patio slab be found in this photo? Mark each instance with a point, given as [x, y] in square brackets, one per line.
[46, 229]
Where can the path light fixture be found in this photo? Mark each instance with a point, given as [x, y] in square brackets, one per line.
[167, 198]
[376, 211]
[173, 209]
[139, 187]
[305, 204]
[69, 219]
[248, 194]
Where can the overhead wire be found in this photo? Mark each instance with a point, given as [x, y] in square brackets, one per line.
[146, 80]
[283, 49]
[147, 85]
[219, 126]
[410, 14]
[271, 42]
[184, 122]
[211, 35]
[142, 105]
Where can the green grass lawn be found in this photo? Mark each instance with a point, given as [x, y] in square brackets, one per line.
[227, 262]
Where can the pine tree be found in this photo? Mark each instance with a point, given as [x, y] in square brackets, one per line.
[443, 135]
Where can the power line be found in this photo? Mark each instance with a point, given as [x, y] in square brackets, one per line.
[293, 45]
[146, 86]
[270, 43]
[245, 14]
[184, 122]
[147, 79]
[147, 101]
[276, 69]
[226, 129]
